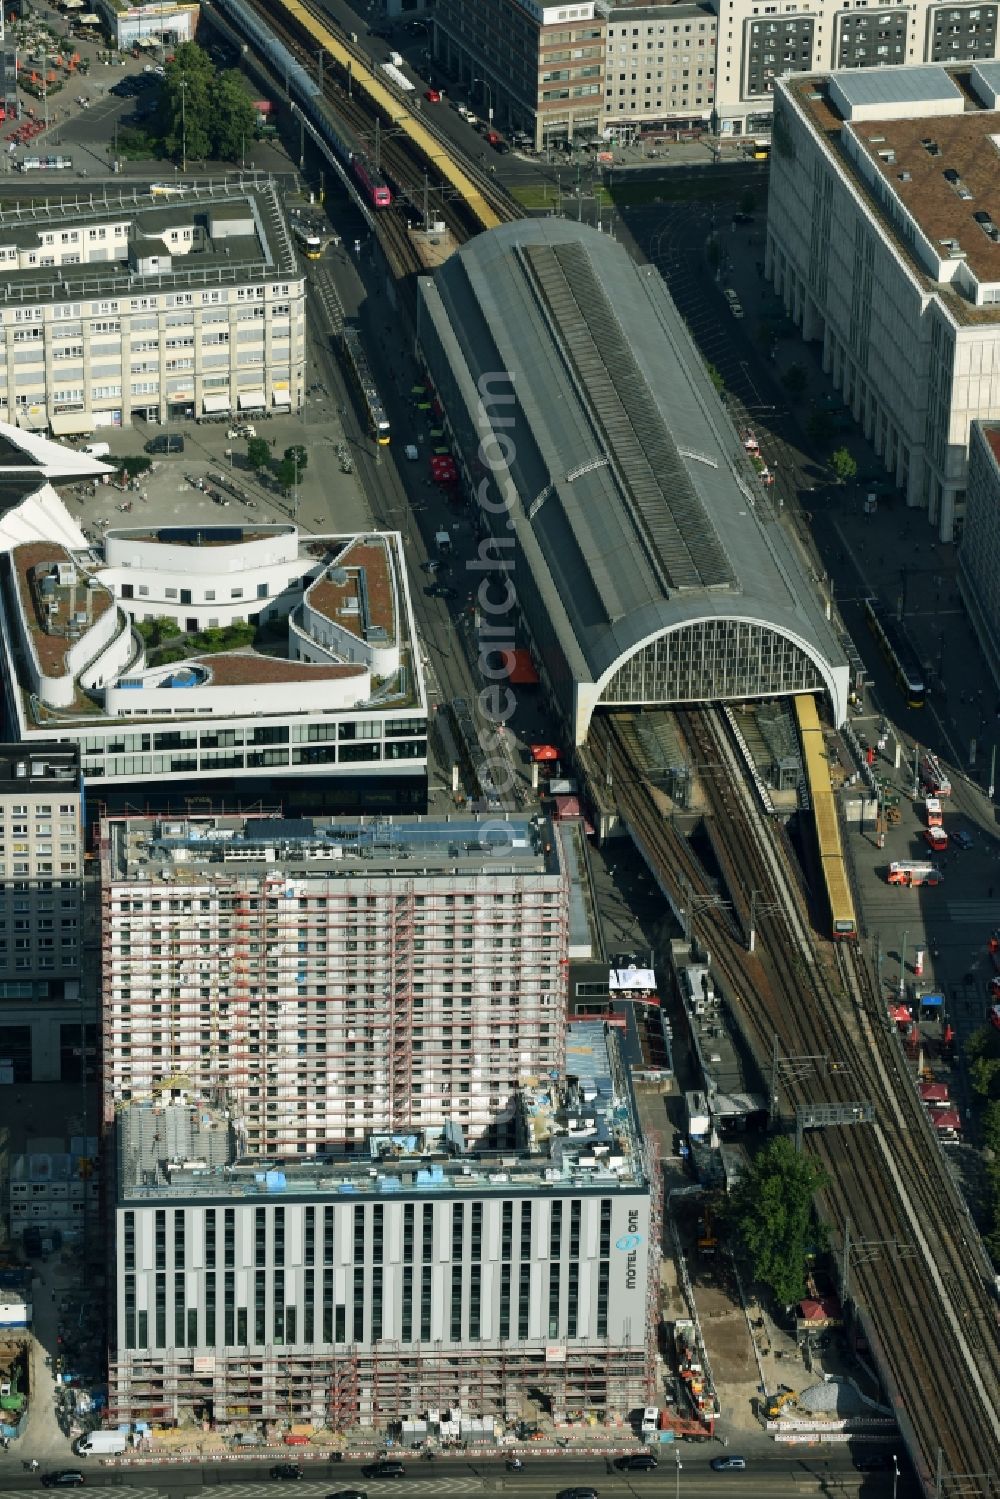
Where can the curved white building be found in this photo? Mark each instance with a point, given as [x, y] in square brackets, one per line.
[126, 651]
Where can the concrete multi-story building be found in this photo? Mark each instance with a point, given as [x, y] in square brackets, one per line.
[536, 68]
[882, 242]
[335, 693]
[54, 1189]
[659, 67]
[333, 978]
[760, 43]
[979, 555]
[416, 1275]
[43, 1030]
[149, 306]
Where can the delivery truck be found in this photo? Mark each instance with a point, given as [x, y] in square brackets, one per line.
[102, 1443]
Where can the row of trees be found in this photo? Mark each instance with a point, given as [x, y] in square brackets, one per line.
[982, 1053]
[204, 114]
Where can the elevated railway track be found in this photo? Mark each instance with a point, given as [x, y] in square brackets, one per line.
[917, 1275]
[408, 146]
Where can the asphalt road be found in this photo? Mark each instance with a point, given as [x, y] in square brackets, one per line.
[769, 1477]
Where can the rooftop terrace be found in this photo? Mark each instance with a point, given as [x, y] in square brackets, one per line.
[201, 850]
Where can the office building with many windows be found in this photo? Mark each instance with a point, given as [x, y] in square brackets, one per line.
[760, 43]
[538, 68]
[883, 239]
[42, 1023]
[149, 305]
[334, 978]
[659, 68]
[421, 1273]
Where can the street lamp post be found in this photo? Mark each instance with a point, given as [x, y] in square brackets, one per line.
[184, 128]
[895, 1474]
[489, 97]
[678, 1465]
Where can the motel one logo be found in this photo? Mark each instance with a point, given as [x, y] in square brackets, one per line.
[630, 1242]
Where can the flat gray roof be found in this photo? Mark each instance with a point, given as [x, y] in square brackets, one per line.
[903, 85]
[637, 508]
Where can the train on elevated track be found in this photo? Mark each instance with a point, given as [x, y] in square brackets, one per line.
[843, 921]
[305, 93]
[397, 113]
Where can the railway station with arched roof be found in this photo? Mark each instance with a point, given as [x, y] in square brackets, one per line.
[642, 551]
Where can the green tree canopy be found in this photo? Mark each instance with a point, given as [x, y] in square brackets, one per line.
[286, 473]
[843, 465]
[203, 113]
[258, 452]
[795, 379]
[233, 118]
[772, 1216]
[297, 454]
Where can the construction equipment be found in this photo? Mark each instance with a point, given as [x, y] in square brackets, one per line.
[776, 1403]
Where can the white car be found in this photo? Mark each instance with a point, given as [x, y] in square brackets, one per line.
[243, 430]
[735, 305]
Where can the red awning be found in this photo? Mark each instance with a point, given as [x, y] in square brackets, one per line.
[934, 1092]
[947, 1119]
[568, 806]
[524, 673]
[542, 752]
[819, 1308]
[900, 1014]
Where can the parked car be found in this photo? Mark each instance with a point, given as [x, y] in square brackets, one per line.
[242, 429]
[636, 1462]
[872, 1462]
[728, 1464]
[63, 1478]
[286, 1472]
[166, 442]
[387, 1468]
[442, 591]
[962, 839]
[743, 218]
[577, 1494]
[348, 1494]
[432, 95]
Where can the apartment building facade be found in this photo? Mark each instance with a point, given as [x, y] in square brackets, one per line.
[659, 68]
[44, 1029]
[534, 68]
[761, 41]
[881, 243]
[421, 1277]
[334, 978]
[149, 306]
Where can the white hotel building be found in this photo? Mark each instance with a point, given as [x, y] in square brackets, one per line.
[332, 688]
[425, 1275]
[149, 306]
[883, 238]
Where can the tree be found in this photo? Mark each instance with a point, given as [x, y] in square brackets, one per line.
[287, 474]
[982, 1058]
[772, 1216]
[843, 464]
[233, 118]
[258, 453]
[297, 454]
[820, 428]
[795, 379]
[715, 377]
[187, 110]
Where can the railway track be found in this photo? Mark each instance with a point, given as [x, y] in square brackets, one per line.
[409, 170]
[919, 1278]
